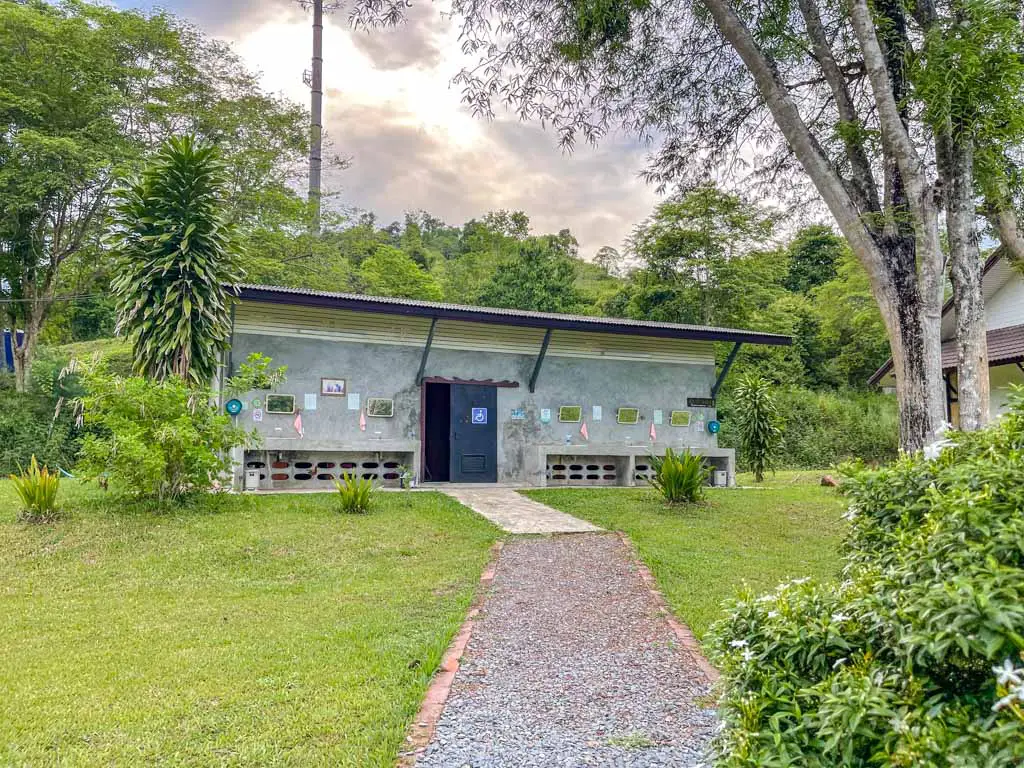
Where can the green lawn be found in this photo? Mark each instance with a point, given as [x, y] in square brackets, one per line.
[701, 555]
[272, 631]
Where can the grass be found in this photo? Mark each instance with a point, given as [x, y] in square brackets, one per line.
[701, 555]
[268, 631]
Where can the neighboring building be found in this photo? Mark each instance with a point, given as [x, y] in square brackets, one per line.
[1003, 289]
[470, 394]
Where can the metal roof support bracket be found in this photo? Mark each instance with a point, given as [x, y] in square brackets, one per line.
[540, 360]
[725, 368]
[426, 351]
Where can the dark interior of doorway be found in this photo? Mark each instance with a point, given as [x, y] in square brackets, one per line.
[437, 419]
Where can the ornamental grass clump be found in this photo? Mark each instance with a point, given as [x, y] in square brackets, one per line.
[356, 494]
[36, 489]
[915, 657]
[680, 477]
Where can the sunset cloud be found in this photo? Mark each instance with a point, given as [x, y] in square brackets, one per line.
[390, 106]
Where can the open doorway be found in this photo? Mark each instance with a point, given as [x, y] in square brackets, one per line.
[460, 432]
[437, 419]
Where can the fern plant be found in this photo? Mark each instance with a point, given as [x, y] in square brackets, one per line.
[37, 488]
[680, 477]
[757, 417]
[356, 494]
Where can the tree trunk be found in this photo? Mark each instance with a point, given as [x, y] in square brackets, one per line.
[965, 274]
[913, 321]
[25, 352]
[906, 275]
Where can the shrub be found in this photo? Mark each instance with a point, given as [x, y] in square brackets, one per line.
[910, 660]
[680, 477]
[154, 439]
[823, 429]
[36, 488]
[28, 428]
[757, 418]
[356, 494]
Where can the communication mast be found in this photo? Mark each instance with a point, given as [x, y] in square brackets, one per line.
[314, 78]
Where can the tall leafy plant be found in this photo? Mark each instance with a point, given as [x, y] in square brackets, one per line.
[758, 418]
[176, 251]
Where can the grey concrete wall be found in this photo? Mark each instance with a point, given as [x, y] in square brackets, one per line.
[375, 370]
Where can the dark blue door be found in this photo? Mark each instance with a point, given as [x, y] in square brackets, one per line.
[474, 435]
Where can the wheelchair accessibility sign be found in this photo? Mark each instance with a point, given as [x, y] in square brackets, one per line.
[479, 416]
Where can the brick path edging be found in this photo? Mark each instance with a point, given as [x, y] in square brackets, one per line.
[686, 638]
[423, 726]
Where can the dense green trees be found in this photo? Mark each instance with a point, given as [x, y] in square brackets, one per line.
[87, 92]
[708, 257]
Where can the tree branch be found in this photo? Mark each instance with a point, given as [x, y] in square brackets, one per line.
[863, 181]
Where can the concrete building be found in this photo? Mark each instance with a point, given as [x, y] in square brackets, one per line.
[382, 387]
[1003, 289]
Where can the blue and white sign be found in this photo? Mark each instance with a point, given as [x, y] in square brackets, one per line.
[714, 427]
[479, 416]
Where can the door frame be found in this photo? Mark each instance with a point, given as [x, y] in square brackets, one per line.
[503, 384]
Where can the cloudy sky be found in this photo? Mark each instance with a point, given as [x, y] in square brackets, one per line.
[391, 107]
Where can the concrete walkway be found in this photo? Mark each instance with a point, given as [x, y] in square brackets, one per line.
[516, 513]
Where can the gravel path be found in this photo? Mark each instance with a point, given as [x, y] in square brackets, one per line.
[570, 664]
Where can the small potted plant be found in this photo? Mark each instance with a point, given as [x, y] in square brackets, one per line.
[405, 478]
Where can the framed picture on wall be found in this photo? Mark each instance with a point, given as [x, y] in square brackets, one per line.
[332, 387]
[680, 419]
[628, 416]
[280, 403]
[380, 407]
[570, 413]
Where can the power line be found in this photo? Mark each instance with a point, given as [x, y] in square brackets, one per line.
[74, 297]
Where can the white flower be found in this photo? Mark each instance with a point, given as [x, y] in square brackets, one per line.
[803, 580]
[899, 725]
[840, 617]
[748, 655]
[1007, 700]
[932, 451]
[1007, 675]
[738, 643]
[773, 614]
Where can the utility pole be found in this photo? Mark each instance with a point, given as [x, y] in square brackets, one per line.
[315, 80]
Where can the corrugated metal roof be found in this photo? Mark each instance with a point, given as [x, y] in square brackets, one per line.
[1005, 345]
[391, 305]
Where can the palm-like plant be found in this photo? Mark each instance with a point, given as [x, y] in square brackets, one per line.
[176, 251]
[757, 417]
[36, 488]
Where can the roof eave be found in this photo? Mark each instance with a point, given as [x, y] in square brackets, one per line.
[369, 304]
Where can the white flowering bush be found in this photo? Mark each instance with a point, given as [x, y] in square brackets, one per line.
[916, 658]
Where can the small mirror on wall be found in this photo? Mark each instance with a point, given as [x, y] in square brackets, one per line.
[570, 413]
[628, 415]
[380, 407]
[680, 419]
[280, 403]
